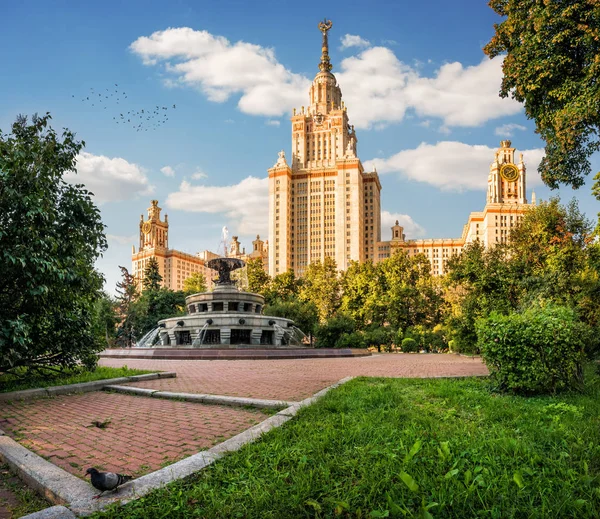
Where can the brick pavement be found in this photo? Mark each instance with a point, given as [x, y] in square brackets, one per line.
[292, 379]
[143, 434]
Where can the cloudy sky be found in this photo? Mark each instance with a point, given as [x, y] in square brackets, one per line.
[189, 102]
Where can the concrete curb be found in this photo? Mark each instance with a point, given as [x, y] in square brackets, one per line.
[54, 512]
[83, 387]
[61, 487]
[202, 398]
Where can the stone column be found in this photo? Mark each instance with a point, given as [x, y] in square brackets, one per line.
[255, 336]
[225, 335]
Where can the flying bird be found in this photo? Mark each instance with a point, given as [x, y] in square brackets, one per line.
[105, 481]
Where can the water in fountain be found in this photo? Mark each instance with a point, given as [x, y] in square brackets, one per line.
[290, 335]
[148, 340]
[200, 336]
[300, 336]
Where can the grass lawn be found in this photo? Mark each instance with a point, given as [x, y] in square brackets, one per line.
[406, 448]
[16, 498]
[73, 376]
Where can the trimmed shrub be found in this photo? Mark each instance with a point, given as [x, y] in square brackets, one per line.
[409, 345]
[538, 351]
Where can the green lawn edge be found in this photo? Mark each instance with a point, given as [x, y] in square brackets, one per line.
[379, 447]
[9, 383]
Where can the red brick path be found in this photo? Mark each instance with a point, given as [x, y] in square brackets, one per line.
[293, 379]
[143, 434]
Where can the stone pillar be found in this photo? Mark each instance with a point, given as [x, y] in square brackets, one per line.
[255, 336]
[172, 337]
[225, 335]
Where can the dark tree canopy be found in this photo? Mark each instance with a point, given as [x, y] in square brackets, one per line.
[552, 65]
[50, 236]
[152, 278]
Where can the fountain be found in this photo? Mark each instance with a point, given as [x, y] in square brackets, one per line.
[227, 318]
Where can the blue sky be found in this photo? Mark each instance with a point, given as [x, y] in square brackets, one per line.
[414, 78]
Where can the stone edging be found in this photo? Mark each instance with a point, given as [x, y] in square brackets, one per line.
[259, 403]
[82, 387]
[61, 487]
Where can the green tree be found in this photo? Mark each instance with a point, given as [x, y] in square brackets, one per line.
[304, 314]
[194, 284]
[152, 278]
[552, 65]
[105, 320]
[362, 293]
[321, 286]
[152, 306]
[126, 295]
[258, 279]
[283, 287]
[50, 237]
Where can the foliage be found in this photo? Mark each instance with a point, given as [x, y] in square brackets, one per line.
[50, 237]
[362, 293]
[409, 345]
[304, 314]
[258, 279]
[538, 351]
[552, 65]
[329, 333]
[379, 336]
[321, 286]
[48, 378]
[126, 295]
[400, 448]
[194, 284]
[356, 339]
[104, 323]
[283, 287]
[152, 278]
[152, 306]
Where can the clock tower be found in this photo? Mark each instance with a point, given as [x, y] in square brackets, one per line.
[506, 181]
[154, 233]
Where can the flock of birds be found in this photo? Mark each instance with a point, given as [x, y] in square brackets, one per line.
[140, 120]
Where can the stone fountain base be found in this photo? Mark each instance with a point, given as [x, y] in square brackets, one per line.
[234, 353]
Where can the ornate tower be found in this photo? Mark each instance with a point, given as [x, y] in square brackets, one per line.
[154, 233]
[323, 204]
[506, 181]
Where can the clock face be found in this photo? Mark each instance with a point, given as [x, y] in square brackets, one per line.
[509, 172]
[147, 227]
[318, 118]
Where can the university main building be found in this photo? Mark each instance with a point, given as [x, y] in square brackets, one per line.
[323, 204]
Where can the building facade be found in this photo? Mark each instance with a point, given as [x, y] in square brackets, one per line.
[176, 266]
[505, 206]
[322, 204]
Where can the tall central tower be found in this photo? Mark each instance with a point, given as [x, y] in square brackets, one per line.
[323, 204]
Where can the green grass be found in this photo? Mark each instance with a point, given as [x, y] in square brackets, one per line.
[406, 448]
[25, 501]
[72, 376]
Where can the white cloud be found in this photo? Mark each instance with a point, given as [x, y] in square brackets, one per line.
[378, 88]
[452, 165]
[168, 171]
[219, 69]
[411, 228]
[245, 204]
[122, 240]
[507, 130]
[352, 40]
[198, 174]
[110, 179]
[273, 122]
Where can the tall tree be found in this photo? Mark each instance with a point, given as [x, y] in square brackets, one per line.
[321, 286]
[126, 295]
[152, 278]
[362, 293]
[283, 287]
[152, 306]
[552, 65]
[194, 284]
[258, 279]
[50, 237]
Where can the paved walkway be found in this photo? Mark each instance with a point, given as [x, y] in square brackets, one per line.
[143, 434]
[293, 379]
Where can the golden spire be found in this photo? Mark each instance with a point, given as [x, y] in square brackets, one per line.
[325, 65]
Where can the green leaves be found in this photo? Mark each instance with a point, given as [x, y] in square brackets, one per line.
[409, 482]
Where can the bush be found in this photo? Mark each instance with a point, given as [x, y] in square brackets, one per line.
[352, 340]
[329, 333]
[379, 337]
[409, 345]
[538, 351]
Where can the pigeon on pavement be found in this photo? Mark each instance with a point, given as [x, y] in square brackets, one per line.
[105, 481]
